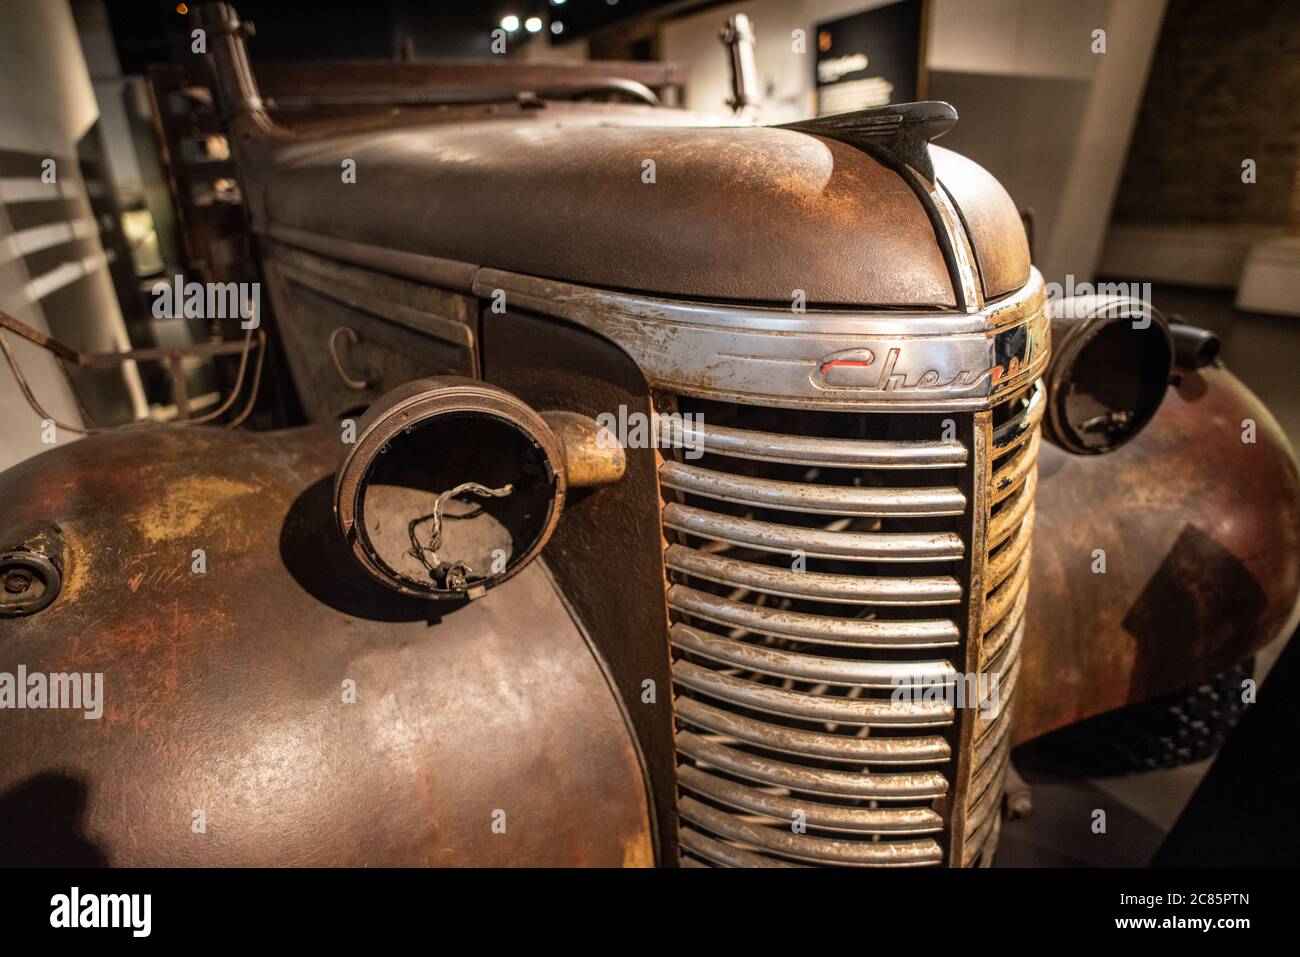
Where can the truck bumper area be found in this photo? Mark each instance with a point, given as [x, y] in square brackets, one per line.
[264, 702]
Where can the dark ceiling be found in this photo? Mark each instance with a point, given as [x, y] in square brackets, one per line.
[146, 30]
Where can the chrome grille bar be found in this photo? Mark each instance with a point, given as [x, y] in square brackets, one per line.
[1012, 473]
[1002, 599]
[1021, 428]
[1016, 506]
[805, 847]
[818, 629]
[812, 542]
[805, 450]
[846, 589]
[832, 817]
[789, 664]
[834, 783]
[831, 747]
[724, 855]
[806, 497]
[1004, 560]
[872, 712]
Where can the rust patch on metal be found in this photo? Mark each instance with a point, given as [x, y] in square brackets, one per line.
[185, 505]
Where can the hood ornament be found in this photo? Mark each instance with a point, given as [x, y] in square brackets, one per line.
[898, 135]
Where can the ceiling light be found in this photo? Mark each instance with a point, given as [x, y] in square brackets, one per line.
[510, 23]
[533, 24]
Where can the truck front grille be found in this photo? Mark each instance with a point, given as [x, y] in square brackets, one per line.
[816, 561]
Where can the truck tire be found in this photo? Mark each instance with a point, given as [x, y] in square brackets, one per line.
[1167, 732]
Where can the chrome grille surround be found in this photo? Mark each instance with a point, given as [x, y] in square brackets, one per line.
[809, 572]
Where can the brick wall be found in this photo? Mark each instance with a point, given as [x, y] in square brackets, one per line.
[1224, 86]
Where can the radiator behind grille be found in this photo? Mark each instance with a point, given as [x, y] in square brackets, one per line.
[816, 559]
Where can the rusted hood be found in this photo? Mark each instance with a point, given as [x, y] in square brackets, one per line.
[602, 198]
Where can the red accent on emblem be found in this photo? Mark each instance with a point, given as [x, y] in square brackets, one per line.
[827, 366]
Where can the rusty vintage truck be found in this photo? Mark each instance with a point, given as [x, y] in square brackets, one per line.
[664, 478]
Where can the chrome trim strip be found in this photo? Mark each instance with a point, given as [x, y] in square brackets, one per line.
[956, 243]
[901, 360]
[417, 320]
